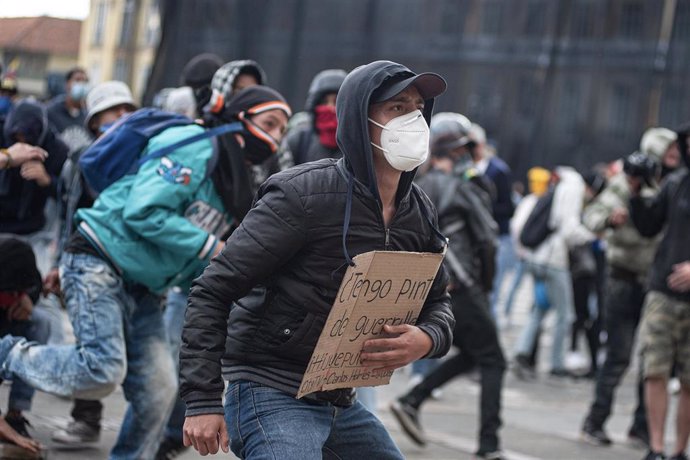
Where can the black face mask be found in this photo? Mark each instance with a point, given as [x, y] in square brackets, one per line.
[256, 149]
[202, 95]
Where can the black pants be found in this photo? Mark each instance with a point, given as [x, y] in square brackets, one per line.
[476, 337]
[624, 300]
[87, 411]
[583, 287]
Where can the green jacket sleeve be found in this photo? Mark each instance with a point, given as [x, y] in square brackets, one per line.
[162, 190]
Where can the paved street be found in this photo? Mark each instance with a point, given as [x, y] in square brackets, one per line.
[541, 418]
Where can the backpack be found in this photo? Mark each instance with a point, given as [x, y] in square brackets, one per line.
[117, 152]
[536, 228]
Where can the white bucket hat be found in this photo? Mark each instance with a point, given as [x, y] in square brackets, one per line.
[105, 96]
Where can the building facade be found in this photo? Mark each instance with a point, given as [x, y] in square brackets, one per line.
[38, 49]
[119, 39]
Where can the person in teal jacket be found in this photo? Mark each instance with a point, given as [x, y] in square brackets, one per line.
[145, 233]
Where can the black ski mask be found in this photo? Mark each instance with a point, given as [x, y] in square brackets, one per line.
[230, 176]
[258, 144]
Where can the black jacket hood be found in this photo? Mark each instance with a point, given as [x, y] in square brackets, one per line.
[352, 107]
[326, 81]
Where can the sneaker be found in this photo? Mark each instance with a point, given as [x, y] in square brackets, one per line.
[594, 435]
[638, 438]
[170, 448]
[522, 369]
[680, 456]
[77, 432]
[490, 455]
[651, 455]
[17, 421]
[408, 417]
[560, 373]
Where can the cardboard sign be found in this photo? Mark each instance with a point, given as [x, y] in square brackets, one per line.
[382, 288]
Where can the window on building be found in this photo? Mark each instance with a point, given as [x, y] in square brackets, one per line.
[121, 71]
[681, 24]
[620, 110]
[143, 78]
[127, 29]
[95, 76]
[582, 20]
[153, 24]
[535, 20]
[631, 20]
[492, 18]
[99, 23]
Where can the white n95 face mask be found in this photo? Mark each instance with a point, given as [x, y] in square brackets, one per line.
[405, 141]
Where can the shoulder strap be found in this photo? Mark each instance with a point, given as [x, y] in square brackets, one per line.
[213, 132]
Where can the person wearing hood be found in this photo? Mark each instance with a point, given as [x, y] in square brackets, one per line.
[660, 144]
[20, 289]
[229, 80]
[316, 140]
[665, 326]
[297, 240]
[25, 189]
[464, 213]
[145, 233]
[197, 74]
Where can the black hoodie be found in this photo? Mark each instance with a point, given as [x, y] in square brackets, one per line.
[22, 201]
[669, 211]
[303, 143]
[292, 242]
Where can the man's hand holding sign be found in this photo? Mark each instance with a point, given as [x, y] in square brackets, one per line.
[371, 329]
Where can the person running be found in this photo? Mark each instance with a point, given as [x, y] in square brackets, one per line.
[297, 241]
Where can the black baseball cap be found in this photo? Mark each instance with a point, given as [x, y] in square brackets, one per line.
[428, 84]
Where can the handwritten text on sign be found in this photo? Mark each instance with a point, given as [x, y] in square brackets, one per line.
[382, 288]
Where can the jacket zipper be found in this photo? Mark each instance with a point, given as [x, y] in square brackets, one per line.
[388, 239]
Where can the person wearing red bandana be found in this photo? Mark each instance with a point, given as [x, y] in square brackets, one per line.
[316, 140]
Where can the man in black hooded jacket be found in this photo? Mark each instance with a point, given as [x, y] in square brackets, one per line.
[297, 243]
[316, 139]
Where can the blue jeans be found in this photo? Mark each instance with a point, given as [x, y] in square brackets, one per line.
[559, 289]
[264, 423]
[519, 274]
[173, 318]
[505, 261]
[120, 335]
[37, 329]
[367, 396]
